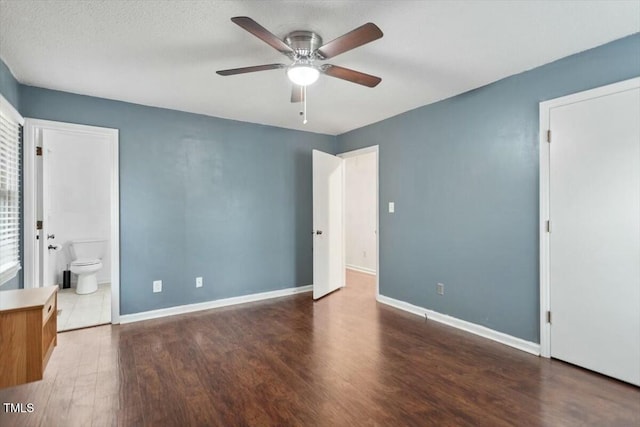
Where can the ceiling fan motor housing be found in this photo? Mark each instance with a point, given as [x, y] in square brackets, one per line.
[304, 43]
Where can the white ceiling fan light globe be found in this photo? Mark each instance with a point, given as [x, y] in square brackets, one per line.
[303, 75]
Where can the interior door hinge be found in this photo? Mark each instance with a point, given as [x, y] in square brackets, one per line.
[548, 226]
[38, 225]
[549, 135]
[38, 151]
[549, 316]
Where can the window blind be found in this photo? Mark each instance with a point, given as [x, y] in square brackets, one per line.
[10, 142]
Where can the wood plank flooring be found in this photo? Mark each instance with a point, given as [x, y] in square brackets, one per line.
[342, 361]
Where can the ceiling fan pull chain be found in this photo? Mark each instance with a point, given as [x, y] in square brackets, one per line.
[304, 88]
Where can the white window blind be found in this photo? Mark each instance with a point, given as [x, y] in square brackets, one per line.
[10, 140]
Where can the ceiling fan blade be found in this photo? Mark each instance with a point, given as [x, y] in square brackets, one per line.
[350, 75]
[253, 69]
[297, 93]
[361, 35]
[262, 33]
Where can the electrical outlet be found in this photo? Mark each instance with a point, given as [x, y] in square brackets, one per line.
[198, 282]
[392, 207]
[364, 254]
[440, 288]
[157, 286]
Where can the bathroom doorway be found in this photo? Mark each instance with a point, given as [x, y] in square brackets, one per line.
[71, 194]
[361, 219]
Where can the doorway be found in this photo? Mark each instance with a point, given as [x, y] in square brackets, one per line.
[332, 267]
[590, 229]
[361, 218]
[72, 200]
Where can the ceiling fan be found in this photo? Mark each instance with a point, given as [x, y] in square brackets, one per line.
[305, 48]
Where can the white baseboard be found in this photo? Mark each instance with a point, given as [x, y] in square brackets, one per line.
[361, 269]
[511, 341]
[189, 308]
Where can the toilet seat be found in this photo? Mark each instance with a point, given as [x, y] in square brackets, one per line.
[86, 255]
[85, 262]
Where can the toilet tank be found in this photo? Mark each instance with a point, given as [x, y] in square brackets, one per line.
[88, 248]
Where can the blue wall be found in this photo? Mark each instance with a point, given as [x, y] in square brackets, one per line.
[463, 173]
[200, 196]
[9, 88]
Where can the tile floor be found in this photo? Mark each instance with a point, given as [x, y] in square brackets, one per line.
[79, 311]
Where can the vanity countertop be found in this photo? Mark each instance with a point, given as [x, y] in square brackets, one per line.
[21, 299]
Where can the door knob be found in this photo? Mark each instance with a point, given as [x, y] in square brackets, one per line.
[319, 232]
[54, 247]
[51, 236]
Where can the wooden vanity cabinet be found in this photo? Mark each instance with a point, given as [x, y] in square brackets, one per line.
[28, 333]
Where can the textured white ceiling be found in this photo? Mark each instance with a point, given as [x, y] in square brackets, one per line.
[165, 53]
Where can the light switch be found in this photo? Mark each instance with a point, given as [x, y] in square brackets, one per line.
[392, 207]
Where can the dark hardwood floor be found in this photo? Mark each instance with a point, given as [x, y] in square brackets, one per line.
[342, 361]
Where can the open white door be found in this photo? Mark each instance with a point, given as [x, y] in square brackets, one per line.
[328, 227]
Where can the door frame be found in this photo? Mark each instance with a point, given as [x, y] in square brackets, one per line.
[354, 153]
[545, 170]
[33, 137]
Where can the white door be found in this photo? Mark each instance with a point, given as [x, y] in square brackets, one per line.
[328, 227]
[594, 243]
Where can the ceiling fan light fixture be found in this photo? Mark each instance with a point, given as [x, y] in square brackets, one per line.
[303, 74]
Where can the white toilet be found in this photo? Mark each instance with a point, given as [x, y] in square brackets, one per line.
[87, 261]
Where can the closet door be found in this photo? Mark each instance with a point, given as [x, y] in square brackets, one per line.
[594, 243]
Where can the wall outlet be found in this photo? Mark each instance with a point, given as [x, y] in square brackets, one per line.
[440, 288]
[364, 254]
[157, 286]
[198, 282]
[392, 207]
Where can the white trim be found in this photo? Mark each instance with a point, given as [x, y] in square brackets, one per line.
[71, 127]
[32, 137]
[9, 273]
[545, 124]
[359, 152]
[115, 228]
[502, 338]
[598, 92]
[545, 328]
[29, 204]
[343, 189]
[361, 269]
[10, 110]
[190, 308]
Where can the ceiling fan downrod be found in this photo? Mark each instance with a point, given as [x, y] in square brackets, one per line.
[304, 96]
